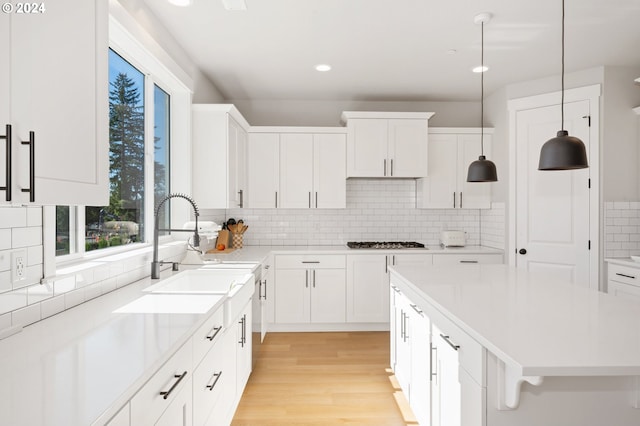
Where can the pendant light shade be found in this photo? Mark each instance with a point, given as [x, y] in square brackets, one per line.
[563, 152]
[482, 170]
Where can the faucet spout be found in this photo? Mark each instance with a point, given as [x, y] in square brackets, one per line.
[155, 264]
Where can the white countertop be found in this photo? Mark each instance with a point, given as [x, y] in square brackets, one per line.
[86, 362]
[539, 326]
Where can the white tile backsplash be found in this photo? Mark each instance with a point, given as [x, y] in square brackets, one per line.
[621, 228]
[377, 210]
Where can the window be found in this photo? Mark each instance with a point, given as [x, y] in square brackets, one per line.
[131, 178]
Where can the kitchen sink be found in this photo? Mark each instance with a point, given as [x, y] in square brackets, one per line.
[235, 286]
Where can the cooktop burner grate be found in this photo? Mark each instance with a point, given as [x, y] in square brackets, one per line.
[384, 244]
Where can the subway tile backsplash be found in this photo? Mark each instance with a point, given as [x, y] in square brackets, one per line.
[377, 210]
[621, 228]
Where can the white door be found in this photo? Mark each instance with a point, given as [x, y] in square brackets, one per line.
[407, 149]
[329, 171]
[296, 170]
[328, 298]
[263, 172]
[292, 296]
[552, 207]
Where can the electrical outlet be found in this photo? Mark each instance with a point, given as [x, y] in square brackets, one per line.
[18, 265]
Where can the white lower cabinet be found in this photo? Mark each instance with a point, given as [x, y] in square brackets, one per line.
[310, 289]
[623, 281]
[440, 369]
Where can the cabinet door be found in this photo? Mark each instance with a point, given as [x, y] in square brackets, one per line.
[330, 171]
[630, 292]
[438, 190]
[236, 163]
[420, 400]
[263, 166]
[328, 294]
[292, 303]
[394, 330]
[241, 165]
[473, 397]
[209, 383]
[296, 170]
[367, 148]
[403, 345]
[61, 57]
[407, 150]
[243, 350]
[5, 89]
[269, 292]
[475, 195]
[179, 412]
[367, 288]
[446, 394]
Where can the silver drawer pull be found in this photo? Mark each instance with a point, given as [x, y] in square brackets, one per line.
[217, 377]
[446, 339]
[165, 394]
[396, 289]
[216, 330]
[310, 261]
[418, 310]
[468, 261]
[625, 275]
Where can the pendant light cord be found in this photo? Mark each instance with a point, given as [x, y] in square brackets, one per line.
[482, 89]
[562, 95]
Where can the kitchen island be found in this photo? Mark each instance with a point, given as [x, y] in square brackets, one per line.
[531, 350]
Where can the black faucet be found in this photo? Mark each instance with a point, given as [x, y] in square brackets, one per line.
[155, 264]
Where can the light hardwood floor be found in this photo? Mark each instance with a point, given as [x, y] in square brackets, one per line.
[323, 379]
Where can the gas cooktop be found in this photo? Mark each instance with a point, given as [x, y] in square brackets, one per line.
[384, 244]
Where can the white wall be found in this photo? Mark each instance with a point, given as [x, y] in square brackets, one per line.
[327, 113]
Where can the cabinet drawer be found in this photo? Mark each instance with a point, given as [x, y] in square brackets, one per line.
[624, 274]
[311, 261]
[207, 335]
[471, 354]
[450, 259]
[148, 404]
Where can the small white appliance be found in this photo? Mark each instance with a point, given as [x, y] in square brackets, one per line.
[453, 238]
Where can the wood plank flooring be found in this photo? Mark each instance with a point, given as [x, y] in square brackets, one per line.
[323, 379]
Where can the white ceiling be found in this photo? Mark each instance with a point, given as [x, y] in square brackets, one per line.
[395, 49]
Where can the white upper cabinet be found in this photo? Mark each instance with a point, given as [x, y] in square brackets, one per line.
[297, 168]
[451, 150]
[386, 144]
[54, 86]
[219, 156]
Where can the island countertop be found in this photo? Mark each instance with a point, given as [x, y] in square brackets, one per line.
[537, 325]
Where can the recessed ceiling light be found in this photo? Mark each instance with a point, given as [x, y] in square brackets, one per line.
[480, 69]
[234, 4]
[323, 67]
[182, 3]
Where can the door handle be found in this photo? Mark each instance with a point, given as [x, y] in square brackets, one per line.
[391, 174]
[276, 199]
[316, 199]
[460, 199]
[454, 199]
[446, 339]
[522, 251]
[241, 193]
[7, 187]
[314, 278]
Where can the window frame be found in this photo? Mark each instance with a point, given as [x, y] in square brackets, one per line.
[156, 73]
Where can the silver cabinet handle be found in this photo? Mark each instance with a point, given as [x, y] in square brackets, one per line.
[446, 339]
[216, 330]
[165, 394]
[217, 377]
[454, 200]
[396, 289]
[625, 275]
[306, 278]
[32, 166]
[265, 289]
[316, 199]
[386, 264]
[406, 335]
[460, 199]
[309, 199]
[402, 324]
[314, 278]
[276, 199]
[418, 310]
[468, 261]
[7, 187]
[241, 193]
[384, 167]
[310, 261]
[434, 357]
[391, 174]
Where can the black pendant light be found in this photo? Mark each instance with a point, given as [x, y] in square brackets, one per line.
[563, 152]
[482, 170]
